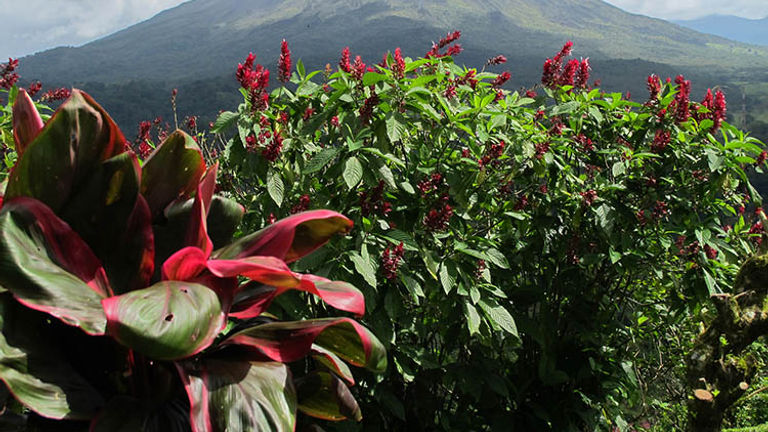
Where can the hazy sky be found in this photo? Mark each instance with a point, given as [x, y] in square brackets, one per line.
[28, 26]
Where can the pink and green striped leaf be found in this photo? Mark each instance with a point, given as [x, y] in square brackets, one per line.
[27, 122]
[171, 172]
[239, 396]
[78, 136]
[48, 267]
[292, 340]
[167, 321]
[291, 238]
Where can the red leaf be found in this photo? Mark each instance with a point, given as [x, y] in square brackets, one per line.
[184, 265]
[252, 300]
[341, 295]
[291, 238]
[197, 230]
[27, 122]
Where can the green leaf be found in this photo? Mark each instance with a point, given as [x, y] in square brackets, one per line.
[240, 396]
[498, 315]
[413, 287]
[364, 268]
[497, 258]
[322, 395]
[395, 126]
[321, 159]
[167, 321]
[565, 108]
[353, 172]
[371, 78]
[448, 275]
[224, 121]
[473, 319]
[35, 369]
[275, 187]
[223, 218]
[397, 236]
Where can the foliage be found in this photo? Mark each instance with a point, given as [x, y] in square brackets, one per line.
[125, 304]
[519, 253]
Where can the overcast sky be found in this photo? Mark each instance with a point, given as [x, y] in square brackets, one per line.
[28, 26]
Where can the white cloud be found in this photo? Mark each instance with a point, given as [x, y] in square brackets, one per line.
[29, 26]
[690, 9]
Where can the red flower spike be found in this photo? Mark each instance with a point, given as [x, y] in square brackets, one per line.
[284, 63]
[27, 122]
[344, 63]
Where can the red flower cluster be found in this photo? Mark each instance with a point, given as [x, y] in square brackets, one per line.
[492, 154]
[437, 218]
[716, 108]
[757, 228]
[499, 59]
[142, 139]
[588, 197]
[366, 111]
[541, 149]
[654, 87]
[761, 158]
[660, 210]
[255, 80]
[660, 141]
[335, 121]
[575, 73]
[521, 204]
[682, 99]
[431, 183]
[284, 63]
[391, 260]
[501, 79]
[468, 79]
[372, 201]
[444, 42]
[344, 63]
[358, 69]
[8, 75]
[34, 87]
[272, 150]
[398, 67]
[450, 91]
[192, 123]
[308, 113]
[56, 94]
[302, 205]
[481, 266]
[710, 252]
[584, 142]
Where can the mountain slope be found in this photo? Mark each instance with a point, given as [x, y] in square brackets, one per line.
[206, 37]
[753, 31]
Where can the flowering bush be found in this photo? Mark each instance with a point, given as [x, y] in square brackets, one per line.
[515, 248]
[126, 304]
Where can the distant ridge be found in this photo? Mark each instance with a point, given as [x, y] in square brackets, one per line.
[752, 31]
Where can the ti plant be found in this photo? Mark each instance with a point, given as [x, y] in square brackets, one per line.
[124, 304]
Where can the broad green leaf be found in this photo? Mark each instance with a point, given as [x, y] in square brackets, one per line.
[321, 159]
[497, 258]
[62, 155]
[565, 108]
[364, 268]
[371, 78]
[396, 236]
[473, 319]
[275, 187]
[333, 363]
[395, 126]
[448, 276]
[167, 321]
[322, 395]
[353, 172]
[224, 121]
[35, 369]
[239, 396]
[498, 315]
[223, 218]
[49, 268]
[171, 172]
